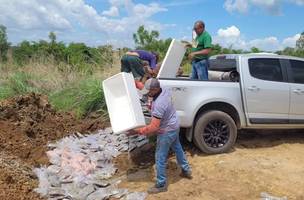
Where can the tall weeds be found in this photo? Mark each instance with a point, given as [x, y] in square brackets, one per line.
[79, 91]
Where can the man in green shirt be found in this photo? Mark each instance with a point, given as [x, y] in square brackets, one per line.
[200, 50]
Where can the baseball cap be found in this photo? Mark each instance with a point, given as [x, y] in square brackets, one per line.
[150, 84]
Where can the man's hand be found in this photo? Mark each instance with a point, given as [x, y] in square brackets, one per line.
[148, 69]
[191, 56]
[180, 71]
[131, 132]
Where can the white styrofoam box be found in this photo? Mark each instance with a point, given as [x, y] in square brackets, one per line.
[173, 59]
[122, 101]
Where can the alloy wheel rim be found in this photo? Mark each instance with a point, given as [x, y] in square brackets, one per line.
[216, 133]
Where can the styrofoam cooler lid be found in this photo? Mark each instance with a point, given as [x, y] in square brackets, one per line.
[172, 60]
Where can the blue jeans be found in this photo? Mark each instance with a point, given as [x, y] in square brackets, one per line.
[200, 69]
[166, 141]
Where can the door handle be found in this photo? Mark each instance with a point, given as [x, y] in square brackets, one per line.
[253, 88]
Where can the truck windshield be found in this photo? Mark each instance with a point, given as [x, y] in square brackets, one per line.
[222, 63]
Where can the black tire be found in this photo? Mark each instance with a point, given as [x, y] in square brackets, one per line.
[215, 132]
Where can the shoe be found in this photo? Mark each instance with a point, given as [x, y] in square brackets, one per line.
[157, 189]
[186, 174]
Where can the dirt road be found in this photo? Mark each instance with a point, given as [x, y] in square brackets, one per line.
[263, 161]
[271, 162]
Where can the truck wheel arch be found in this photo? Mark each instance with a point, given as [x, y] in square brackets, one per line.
[221, 106]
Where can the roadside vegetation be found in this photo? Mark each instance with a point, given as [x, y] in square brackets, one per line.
[71, 74]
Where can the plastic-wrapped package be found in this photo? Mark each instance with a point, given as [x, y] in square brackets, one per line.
[84, 192]
[100, 194]
[136, 196]
[119, 193]
[82, 165]
[44, 184]
[105, 172]
[266, 196]
[53, 169]
[56, 192]
[53, 180]
[54, 156]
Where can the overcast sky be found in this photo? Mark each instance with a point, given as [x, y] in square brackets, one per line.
[267, 24]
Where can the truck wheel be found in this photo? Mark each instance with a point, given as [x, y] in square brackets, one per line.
[215, 132]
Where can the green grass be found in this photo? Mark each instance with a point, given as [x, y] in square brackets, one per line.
[20, 83]
[5, 92]
[74, 87]
[16, 84]
[82, 97]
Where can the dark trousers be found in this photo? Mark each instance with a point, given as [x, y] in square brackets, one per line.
[132, 64]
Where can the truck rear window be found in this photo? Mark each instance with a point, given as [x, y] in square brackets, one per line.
[222, 63]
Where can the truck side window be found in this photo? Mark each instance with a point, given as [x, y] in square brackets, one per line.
[266, 69]
[297, 68]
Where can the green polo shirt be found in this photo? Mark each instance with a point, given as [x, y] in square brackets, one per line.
[203, 41]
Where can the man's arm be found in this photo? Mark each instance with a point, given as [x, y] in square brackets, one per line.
[201, 52]
[157, 114]
[151, 128]
[153, 62]
[131, 53]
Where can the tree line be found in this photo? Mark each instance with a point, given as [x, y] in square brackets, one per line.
[77, 55]
[150, 41]
[80, 56]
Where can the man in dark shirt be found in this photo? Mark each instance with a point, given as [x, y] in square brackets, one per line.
[132, 62]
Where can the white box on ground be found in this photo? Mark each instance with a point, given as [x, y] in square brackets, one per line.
[172, 61]
[122, 101]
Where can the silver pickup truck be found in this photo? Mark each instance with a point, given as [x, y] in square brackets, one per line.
[254, 91]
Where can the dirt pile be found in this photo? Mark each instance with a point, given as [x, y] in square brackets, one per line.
[28, 123]
[17, 179]
[17, 109]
